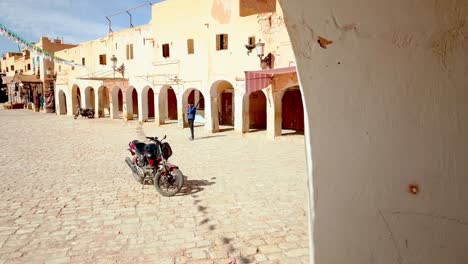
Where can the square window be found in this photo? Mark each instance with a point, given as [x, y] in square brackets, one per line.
[222, 42]
[190, 47]
[102, 59]
[129, 50]
[165, 50]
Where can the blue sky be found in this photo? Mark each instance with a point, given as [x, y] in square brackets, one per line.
[75, 21]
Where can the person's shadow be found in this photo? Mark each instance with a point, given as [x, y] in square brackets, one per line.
[193, 186]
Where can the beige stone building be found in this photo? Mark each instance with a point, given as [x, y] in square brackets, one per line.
[29, 76]
[208, 57]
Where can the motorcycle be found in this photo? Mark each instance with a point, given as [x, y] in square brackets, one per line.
[84, 112]
[148, 163]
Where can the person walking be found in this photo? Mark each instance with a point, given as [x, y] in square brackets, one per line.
[191, 112]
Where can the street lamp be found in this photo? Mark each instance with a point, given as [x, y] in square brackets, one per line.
[114, 66]
[264, 62]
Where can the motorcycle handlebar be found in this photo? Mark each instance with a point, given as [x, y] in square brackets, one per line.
[156, 138]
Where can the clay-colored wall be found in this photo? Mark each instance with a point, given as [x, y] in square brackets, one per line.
[136, 71]
[203, 20]
[387, 106]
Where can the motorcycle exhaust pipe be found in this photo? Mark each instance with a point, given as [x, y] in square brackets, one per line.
[134, 169]
[131, 165]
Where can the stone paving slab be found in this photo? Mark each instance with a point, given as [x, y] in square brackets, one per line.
[67, 195]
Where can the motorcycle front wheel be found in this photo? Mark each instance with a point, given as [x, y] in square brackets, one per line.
[169, 183]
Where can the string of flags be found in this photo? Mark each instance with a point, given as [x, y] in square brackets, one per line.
[24, 44]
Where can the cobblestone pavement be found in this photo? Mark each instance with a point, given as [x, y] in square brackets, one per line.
[67, 195]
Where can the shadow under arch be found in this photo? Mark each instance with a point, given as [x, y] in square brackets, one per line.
[147, 104]
[131, 103]
[62, 102]
[222, 104]
[117, 102]
[103, 102]
[89, 97]
[167, 103]
[76, 98]
[194, 96]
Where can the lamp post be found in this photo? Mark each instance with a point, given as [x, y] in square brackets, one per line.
[264, 62]
[120, 69]
[114, 63]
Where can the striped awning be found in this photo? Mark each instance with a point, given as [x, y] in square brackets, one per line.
[257, 80]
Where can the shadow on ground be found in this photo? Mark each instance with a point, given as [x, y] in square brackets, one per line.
[193, 186]
[207, 137]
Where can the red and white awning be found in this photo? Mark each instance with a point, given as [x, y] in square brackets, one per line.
[257, 80]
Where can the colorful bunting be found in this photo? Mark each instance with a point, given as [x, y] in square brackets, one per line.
[34, 49]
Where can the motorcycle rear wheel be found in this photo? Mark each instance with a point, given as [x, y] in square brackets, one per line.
[163, 184]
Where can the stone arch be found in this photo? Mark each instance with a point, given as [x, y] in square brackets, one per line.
[132, 103]
[103, 102]
[89, 97]
[76, 98]
[147, 104]
[292, 109]
[167, 101]
[222, 104]
[62, 103]
[196, 96]
[117, 103]
[257, 110]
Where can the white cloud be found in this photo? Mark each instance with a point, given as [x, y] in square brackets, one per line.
[52, 18]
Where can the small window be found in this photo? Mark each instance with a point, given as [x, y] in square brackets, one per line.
[129, 50]
[144, 41]
[83, 61]
[73, 67]
[190, 47]
[102, 59]
[252, 41]
[222, 42]
[29, 66]
[60, 68]
[165, 50]
[115, 45]
[12, 67]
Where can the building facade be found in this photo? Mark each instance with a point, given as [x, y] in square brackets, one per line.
[209, 58]
[29, 77]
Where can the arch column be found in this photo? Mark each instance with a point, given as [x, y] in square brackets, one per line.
[160, 103]
[181, 112]
[241, 108]
[213, 113]
[114, 103]
[157, 109]
[274, 114]
[96, 102]
[70, 107]
[143, 111]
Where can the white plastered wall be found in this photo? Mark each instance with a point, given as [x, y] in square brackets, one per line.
[386, 107]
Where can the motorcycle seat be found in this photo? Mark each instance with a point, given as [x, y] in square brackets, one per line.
[139, 147]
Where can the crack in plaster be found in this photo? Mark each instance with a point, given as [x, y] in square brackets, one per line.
[400, 259]
[434, 216]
